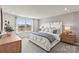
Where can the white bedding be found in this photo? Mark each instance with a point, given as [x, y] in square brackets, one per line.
[55, 29]
[44, 42]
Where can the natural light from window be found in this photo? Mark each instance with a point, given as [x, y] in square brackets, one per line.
[24, 25]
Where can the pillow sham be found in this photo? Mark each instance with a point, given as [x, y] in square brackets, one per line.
[55, 31]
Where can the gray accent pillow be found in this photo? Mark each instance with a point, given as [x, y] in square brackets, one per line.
[55, 31]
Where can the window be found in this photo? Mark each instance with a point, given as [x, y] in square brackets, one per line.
[24, 25]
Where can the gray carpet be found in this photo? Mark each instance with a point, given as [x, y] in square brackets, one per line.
[65, 48]
[29, 47]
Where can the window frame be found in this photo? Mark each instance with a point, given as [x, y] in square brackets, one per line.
[25, 23]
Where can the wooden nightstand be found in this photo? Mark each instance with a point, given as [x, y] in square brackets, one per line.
[68, 37]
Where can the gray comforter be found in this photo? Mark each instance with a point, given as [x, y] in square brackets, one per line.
[50, 37]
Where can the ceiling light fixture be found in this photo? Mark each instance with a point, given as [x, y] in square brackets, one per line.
[65, 9]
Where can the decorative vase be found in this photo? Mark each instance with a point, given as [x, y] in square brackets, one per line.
[8, 33]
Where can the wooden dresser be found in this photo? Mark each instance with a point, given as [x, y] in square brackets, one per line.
[10, 44]
[68, 37]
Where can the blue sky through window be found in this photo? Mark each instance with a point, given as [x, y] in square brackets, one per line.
[29, 22]
[23, 21]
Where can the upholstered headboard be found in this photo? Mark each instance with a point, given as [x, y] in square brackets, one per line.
[52, 27]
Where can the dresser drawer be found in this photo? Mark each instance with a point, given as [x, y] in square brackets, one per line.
[68, 38]
[13, 47]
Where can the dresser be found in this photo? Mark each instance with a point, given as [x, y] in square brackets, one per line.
[10, 44]
[68, 37]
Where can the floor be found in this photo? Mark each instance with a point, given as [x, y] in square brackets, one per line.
[65, 48]
[29, 47]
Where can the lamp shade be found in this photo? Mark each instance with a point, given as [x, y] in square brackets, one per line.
[67, 28]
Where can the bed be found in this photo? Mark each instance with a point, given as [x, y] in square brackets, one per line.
[48, 36]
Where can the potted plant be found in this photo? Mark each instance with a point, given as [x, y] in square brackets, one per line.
[8, 30]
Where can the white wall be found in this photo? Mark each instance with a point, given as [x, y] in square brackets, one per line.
[10, 18]
[71, 19]
[35, 25]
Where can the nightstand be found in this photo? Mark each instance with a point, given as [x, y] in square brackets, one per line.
[68, 37]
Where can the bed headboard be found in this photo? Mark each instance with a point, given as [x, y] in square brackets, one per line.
[52, 27]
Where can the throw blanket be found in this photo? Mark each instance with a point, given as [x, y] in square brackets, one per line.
[50, 37]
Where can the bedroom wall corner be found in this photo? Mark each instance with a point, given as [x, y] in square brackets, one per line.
[35, 25]
[71, 19]
[11, 18]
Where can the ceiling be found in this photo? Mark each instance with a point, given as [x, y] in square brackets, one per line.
[39, 11]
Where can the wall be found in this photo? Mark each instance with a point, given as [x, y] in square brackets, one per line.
[35, 25]
[71, 19]
[10, 18]
[0, 18]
